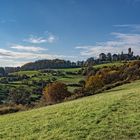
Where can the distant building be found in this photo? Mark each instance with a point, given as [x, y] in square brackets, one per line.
[90, 61]
[130, 53]
[80, 63]
[128, 56]
[109, 57]
[73, 64]
[122, 56]
[102, 57]
[115, 57]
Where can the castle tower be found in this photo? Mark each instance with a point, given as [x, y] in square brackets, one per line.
[129, 51]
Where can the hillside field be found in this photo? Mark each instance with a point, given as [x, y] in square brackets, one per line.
[114, 114]
[37, 76]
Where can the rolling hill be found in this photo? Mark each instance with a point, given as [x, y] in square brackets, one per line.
[114, 114]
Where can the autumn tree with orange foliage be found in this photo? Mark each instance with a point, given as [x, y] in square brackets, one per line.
[55, 92]
[93, 83]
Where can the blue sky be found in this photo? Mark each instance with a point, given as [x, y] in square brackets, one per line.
[66, 29]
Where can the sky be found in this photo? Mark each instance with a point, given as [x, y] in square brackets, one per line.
[74, 30]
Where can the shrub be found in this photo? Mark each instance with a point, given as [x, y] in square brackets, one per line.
[82, 83]
[93, 83]
[55, 92]
[111, 77]
[88, 71]
[20, 95]
[5, 109]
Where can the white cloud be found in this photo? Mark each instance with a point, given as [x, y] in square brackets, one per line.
[121, 43]
[24, 55]
[5, 53]
[13, 58]
[51, 39]
[81, 47]
[38, 40]
[127, 38]
[27, 48]
[11, 63]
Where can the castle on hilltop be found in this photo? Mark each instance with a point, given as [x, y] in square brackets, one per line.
[59, 63]
[106, 58]
[116, 57]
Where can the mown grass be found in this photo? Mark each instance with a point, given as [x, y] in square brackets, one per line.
[114, 114]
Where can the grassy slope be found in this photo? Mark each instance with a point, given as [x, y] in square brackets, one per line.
[67, 79]
[29, 73]
[112, 115]
[117, 63]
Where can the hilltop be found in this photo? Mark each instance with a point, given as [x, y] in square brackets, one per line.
[112, 115]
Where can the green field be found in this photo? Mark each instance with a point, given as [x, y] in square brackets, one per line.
[114, 114]
[117, 63]
[28, 73]
[70, 69]
[70, 77]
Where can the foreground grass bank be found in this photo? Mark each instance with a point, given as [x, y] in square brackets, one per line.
[114, 114]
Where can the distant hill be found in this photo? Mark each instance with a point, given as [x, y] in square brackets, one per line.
[46, 64]
[112, 115]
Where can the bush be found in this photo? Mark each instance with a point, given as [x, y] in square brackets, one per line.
[20, 95]
[55, 92]
[112, 75]
[93, 83]
[82, 83]
[88, 71]
[5, 109]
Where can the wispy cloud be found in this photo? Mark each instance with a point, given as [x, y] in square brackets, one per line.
[38, 40]
[121, 42]
[24, 55]
[19, 58]
[133, 39]
[4, 54]
[132, 27]
[27, 48]
[18, 54]
[51, 39]
[81, 47]
[11, 63]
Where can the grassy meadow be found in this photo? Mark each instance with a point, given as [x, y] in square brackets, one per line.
[117, 63]
[115, 114]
